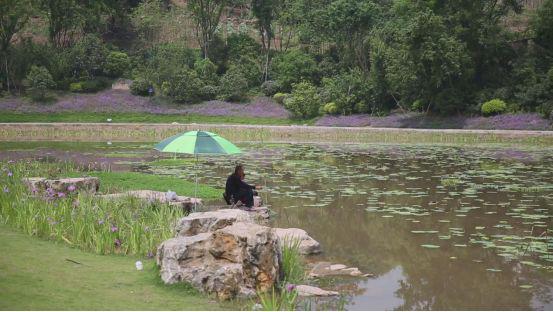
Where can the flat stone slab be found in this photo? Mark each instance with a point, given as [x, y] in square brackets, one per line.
[307, 245]
[322, 269]
[86, 184]
[178, 201]
[312, 291]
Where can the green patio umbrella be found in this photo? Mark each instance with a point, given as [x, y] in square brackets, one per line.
[197, 143]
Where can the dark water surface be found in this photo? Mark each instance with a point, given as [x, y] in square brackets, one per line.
[439, 227]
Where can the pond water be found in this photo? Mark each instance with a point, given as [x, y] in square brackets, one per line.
[439, 227]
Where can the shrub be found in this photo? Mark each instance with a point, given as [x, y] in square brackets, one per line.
[233, 85]
[209, 92]
[207, 71]
[140, 87]
[351, 92]
[89, 86]
[186, 87]
[240, 45]
[117, 64]
[280, 97]
[330, 108]
[417, 106]
[88, 57]
[304, 102]
[40, 81]
[162, 62]
[250, 70]
[292, 67]
[76, 87]
[270, 87]
[493, 107]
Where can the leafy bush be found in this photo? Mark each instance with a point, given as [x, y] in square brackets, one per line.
[417, 106]
[140, 86]
[76, 87]
[270, 87]
[250, 70]
[240, 45]
[351, 92]
[40, 81]
[330, 108]
[88, 57]
[89, 86]
[493, 107]
[162, 62]
[233, 85]
[186, 87]
[209, 92]
[304, 102]
[292, 67]
[280, 97]
[207, 71]
[117, 64]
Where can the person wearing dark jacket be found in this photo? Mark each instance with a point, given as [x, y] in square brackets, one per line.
[239, 190]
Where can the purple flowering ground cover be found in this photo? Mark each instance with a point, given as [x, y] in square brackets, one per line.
[123, 102]
[521, 121]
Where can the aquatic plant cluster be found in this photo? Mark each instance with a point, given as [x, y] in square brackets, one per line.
[123, 226]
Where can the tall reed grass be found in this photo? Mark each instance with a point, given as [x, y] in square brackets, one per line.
[104, 226]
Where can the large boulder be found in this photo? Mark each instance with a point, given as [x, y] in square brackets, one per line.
[202, 222]
[230, 262]
[86, 184]
[307, 245]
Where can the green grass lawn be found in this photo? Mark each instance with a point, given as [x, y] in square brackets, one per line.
[90, 117]
[123, 181]
[35, 275]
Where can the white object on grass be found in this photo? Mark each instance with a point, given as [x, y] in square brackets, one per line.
[170, 195]
[139, 265]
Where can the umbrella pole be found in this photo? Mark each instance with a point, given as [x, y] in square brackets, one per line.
[196, 186]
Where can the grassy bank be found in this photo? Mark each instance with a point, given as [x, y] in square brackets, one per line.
[37, 275]
[252, 133]
[112, 182]
[94, 117]
[104, 226]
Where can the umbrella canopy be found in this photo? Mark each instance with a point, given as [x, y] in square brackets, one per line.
[197, 143]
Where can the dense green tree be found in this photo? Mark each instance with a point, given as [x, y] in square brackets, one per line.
[69, 18]
[264, 11]
[348, 24]
[292, 67]
[542, 25]
[14, 15]
[206, 14]
[423, 61]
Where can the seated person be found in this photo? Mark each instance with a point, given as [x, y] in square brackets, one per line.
[238, 190]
